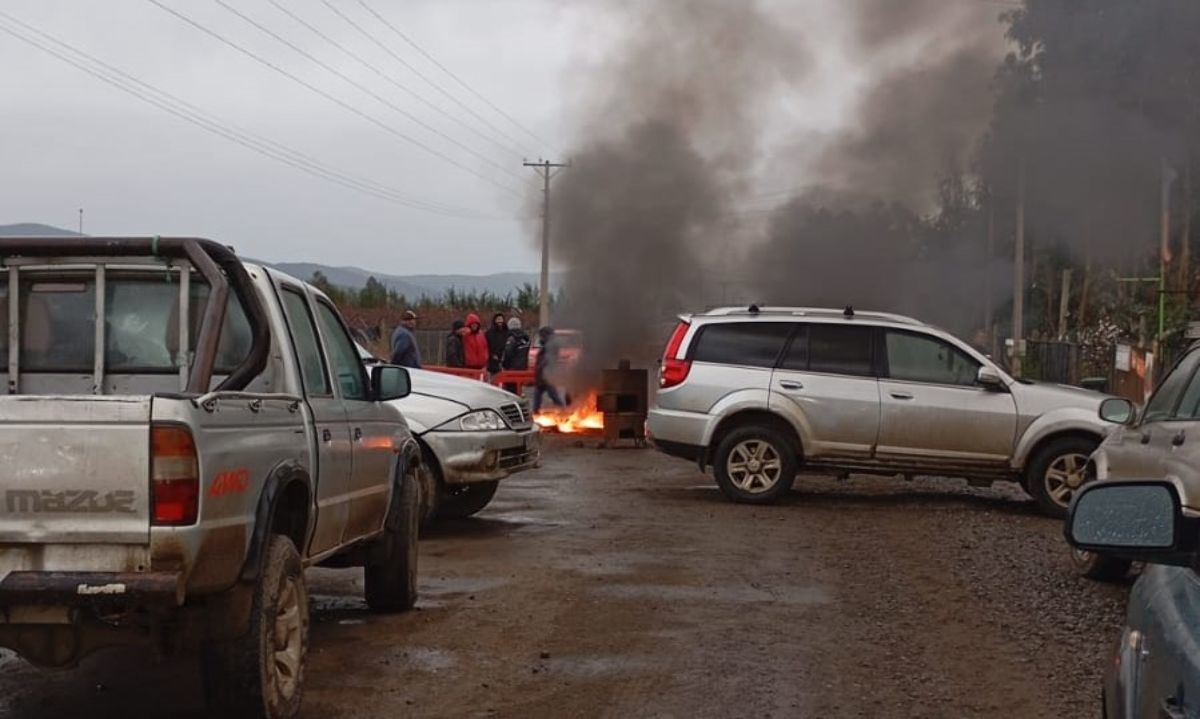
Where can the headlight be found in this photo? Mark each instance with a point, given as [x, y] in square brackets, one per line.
[483, 420]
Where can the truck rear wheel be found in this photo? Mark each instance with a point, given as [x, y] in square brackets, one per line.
[391, 571]
[459, 501]
[261, 674]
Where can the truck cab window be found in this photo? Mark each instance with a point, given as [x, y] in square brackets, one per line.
[343, 358]
[308, 349]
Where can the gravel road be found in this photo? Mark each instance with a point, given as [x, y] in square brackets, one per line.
[618, 583]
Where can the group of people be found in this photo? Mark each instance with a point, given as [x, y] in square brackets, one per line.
[503, 346]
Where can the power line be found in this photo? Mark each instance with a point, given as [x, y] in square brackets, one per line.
[456, 78]
[363, 88]
[414, 70]
[331, 98]
[373, 68]
[163, 100]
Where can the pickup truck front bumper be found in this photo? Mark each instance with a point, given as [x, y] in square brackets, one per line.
[467, 457]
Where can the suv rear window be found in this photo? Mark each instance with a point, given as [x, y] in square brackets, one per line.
[750, 344]
[838, 349]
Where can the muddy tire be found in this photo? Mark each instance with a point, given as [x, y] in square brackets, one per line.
[1100, 567]
[459, 501]
[261, 674]
[1056, 472]
[755, 465]
[429, 479]
[391, 570]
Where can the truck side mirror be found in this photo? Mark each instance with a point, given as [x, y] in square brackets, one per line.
[389, 382]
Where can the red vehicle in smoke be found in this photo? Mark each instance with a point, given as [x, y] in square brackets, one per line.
[570, 347]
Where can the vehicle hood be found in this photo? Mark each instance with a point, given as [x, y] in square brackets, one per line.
[437, 398]
[1038, 397]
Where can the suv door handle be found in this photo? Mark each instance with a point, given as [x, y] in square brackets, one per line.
[790, 384]
[326, 436]
[1178, 439]
[358, 434]
[901, 395]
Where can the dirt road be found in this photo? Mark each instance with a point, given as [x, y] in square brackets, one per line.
[620, 584]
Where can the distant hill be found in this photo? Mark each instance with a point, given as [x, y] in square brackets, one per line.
[34, 229]
[412, 286]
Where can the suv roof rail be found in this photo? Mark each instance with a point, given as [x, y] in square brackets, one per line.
[809, 312]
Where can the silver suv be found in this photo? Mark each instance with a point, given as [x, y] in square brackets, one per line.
[761, 393]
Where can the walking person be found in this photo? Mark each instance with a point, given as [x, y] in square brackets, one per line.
[544, 370]
[497, 336]
[455, 353]
[404, 343]
[475, 345]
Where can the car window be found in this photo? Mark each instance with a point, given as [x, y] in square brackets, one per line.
[1166, 398]
[308, 349]
[1189, 404]
[343, 358]
[795, 357]
[751, 344]
[142, 332]
[838, 349]
[58, 332]
[918, 358]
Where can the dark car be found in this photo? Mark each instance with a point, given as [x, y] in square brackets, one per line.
[1155, 673]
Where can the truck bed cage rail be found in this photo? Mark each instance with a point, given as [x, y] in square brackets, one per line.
[219, 266]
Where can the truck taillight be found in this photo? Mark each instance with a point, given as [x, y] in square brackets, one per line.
[174, 477]
[674, 370]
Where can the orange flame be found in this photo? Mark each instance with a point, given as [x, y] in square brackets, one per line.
[583, 418]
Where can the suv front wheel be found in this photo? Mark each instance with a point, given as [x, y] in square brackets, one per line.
[754, 465]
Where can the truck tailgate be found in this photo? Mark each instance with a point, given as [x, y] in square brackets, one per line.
[75, 469]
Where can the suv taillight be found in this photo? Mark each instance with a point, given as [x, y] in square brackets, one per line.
[174, 477]
[674, 371]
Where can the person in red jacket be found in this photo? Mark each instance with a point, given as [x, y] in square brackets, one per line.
[475, 344]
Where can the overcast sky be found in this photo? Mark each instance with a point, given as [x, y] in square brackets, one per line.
[69, 140]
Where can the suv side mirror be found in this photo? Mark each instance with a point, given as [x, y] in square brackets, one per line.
[389, 382]
[1141, 521]
[989, 377]
[1118, 411]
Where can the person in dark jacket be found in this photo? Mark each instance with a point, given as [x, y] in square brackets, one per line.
[455, 354]
[516, 347]
[543, 370]
[475, 346]
[404, 344]
[497, 335]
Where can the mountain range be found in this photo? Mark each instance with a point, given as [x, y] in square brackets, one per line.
[412, 286]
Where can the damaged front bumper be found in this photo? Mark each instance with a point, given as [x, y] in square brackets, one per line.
[467, 457]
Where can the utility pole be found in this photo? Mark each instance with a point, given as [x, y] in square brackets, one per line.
[1018, 314]
[544, 168]
[1164, 251]
[81, 220]
[989, 323]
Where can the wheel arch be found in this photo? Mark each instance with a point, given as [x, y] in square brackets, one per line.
[753, 418]
[1040, 444]
[285, 506]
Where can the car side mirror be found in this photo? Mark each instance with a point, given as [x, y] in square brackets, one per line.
[389, 382]
[1141, 521]
[1118, 411]
[989, 377]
